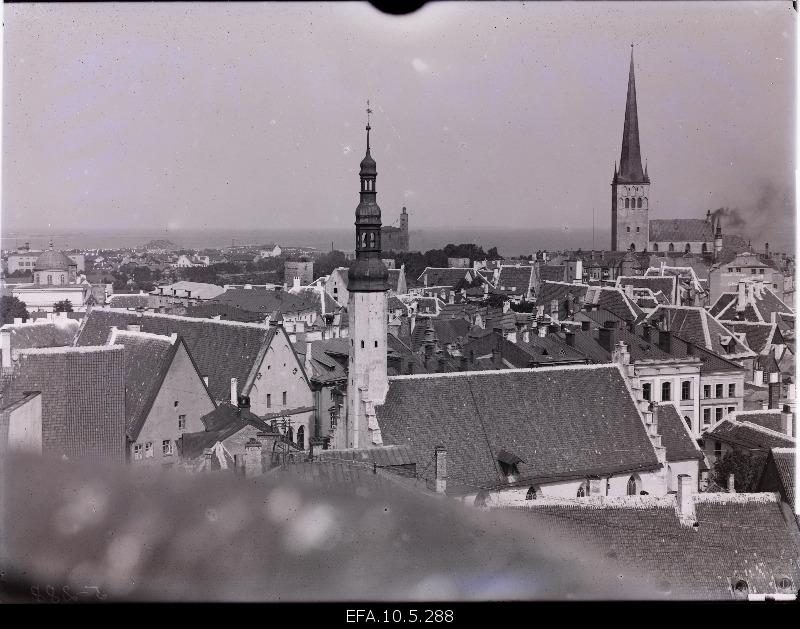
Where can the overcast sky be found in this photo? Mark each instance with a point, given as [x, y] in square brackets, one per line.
[501, 114]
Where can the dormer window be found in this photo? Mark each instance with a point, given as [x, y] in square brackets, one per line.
[509, 465]
[741, 589]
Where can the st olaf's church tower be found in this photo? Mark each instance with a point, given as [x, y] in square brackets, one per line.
[367, 284]
[630, 186]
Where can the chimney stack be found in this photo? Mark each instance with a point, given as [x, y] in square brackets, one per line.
[731, 483]
[234, 392]
[606, 336]
[569, 337]
[665, 340]
[774, 394]
[134, 328]
[685, 500]
[252, 458]
[586, 326]
[758, 376]
[542, 330]
[526, 335]
[497, 361]
[786, 421]
[741, 297]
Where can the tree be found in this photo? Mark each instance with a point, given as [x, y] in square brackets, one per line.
[746, 468]
[11, 308]
[65, 305]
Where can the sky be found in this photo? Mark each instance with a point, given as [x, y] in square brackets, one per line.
[211, 116]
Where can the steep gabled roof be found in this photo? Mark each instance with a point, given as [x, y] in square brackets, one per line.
[515, 280]
[675, 435]
[562, 421]
[221, 423]
[760, 336]
[695, 324]
[760, 304]
[445, 276]
[221, 349]
[748, 435]
[680, 231]
[42, 333]
[664, 283]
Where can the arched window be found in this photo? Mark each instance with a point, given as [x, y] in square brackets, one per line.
[655, 247]
[290, 433]
[688, 248]
[627, 202]
[633, 485]
[644, 203]
[671, 247]
[533, 493]
[301, 437]
[583, 490]
[639, 202]
[49, 279]
[704, 249]
[633, 247]
[741, 589]
[628, 229]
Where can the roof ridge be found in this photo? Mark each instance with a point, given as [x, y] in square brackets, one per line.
[260, 326]
[67, 349]
[486, 372]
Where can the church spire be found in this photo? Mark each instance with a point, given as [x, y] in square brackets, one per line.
[630, 162]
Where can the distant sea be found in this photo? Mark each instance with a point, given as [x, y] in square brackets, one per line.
[509, 242]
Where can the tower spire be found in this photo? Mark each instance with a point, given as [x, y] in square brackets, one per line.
[630, 162]
[369, 111]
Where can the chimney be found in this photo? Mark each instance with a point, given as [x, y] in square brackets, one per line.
[569, 337]
[665, 341]
[758, 376]
[646, 332]
[295, 283]
[526, 335]
[134, 328]
[586, 326]
[685, 499]
[774, 394]
[252, 458]
[786, 421]
[234, 392]
[731, 483]
[496, 359]
[440, 456]
[629, 291]
[741, 297]
[512, 336]
[606, 336]
[620, 354]
[5, 346]
[579, 270]
[541, 330]
[464, 363]
[17, 320]
[654, 423]
[766, 248]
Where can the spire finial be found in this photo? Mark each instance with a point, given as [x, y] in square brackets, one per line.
[369, 111]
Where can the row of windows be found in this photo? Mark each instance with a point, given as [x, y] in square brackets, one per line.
[352, 343]
[686, 391]
[719, 391]
[301, 435]
[138, 448]
[635, 203]
[629, 229]
[719, 413]
[687, 248]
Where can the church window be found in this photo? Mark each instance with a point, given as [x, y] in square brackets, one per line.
[639, 202]
[645, 202]
[362, 344]
[627, 202]
[655, 247]
[376, 343]
[533, 493]
[583, 490]
[704, 248]
[49, 279]
[633, 247]
[633, 486]
[671, 247]
[688, 248]
[301, 436]
[637, 230]
[628, 228]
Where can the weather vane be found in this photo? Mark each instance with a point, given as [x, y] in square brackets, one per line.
[369, 111]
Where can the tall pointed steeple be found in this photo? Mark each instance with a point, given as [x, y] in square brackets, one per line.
[630, 161]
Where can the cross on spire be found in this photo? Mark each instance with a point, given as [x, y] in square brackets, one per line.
[369, 111]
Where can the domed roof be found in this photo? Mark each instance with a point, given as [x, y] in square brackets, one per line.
[52, 260]
[368, 166]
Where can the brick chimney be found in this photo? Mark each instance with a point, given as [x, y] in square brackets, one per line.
[731, 483]
[252, 458]
[607, 336]
[665, 341]
[685, 497]
[774, 395]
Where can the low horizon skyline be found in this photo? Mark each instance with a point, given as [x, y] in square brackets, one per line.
[112, 118]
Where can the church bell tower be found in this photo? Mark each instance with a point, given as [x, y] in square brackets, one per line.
[366, 309]
[630, 185]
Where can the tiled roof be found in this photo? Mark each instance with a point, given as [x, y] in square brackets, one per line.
[680, 230]
[42, 333]
[614, 300]
[740, 536]
[760, 303]
[448, 331]
[122, 300]
[553, 273]
[675, 435]
[383, 456]
[695, 324]
[709, 361]
[748, 435]
[769, 418]
[228, 312]
[760, 336]
[784, 459]
[329, 359]
[147, 360]
[445, 277]
[268, 301]
[561, 421]
[515, 280]
[560, 291]
[221, 349]
[331, 474]
[83, 399]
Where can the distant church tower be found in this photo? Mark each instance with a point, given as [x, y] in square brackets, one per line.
[630, 187]
[367, 284]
